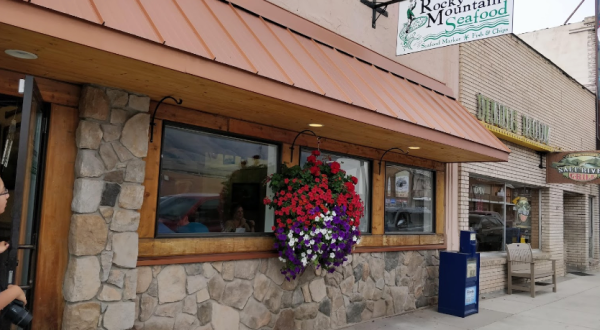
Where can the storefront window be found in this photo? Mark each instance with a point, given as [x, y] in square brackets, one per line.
[211, 183]
[360, 168]
[502, 214]
[408, 200]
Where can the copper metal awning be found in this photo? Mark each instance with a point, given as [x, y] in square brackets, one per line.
[286, 49]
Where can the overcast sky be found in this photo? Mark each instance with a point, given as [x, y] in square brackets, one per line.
[532, 15]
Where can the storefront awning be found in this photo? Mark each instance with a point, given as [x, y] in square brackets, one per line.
[276, 46]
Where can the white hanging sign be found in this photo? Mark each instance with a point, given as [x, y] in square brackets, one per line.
[429, 24]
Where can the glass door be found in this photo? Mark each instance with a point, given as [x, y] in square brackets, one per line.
[21, 168]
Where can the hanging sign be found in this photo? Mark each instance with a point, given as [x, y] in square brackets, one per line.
[573, 167]
[429, 24]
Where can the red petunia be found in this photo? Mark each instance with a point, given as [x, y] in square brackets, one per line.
[335, 167]
[314, 170]
[355, 180]
[316, 152]
[311, 159]
[286, 180]
[349, 186]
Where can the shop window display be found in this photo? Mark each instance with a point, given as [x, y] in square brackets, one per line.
[502, 214]
[211, 183]
[357, 167]
[408, 200]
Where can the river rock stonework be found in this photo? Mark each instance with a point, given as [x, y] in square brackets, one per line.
[101, 279]
[252, 294]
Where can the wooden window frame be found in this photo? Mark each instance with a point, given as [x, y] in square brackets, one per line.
[201, 129]
[154, 251]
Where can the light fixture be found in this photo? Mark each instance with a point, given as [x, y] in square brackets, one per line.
[414, 148]
[315, 125]
[21, 54]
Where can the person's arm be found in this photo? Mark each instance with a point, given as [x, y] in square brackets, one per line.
[13, 292]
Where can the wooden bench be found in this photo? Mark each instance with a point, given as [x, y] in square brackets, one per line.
[521, 264]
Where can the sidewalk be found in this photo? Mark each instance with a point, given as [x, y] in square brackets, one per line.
[576, 306]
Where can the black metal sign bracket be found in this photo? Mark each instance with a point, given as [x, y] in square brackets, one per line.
[542, 154]
[152, 123]
[378, 7]
[390, 149]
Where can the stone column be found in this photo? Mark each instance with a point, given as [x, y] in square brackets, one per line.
[101, 277]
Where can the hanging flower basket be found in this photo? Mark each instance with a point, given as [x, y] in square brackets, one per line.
[317, 212]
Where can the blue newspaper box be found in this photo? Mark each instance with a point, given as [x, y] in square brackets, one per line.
[459, 278]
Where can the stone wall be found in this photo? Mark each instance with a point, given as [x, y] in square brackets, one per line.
[252, 294]
[101, 277]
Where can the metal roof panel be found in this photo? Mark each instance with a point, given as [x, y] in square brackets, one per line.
[127, 16]
[220, 31]
[174, 27]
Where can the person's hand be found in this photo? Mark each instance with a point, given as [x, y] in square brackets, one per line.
[3, 246]
[19, 292]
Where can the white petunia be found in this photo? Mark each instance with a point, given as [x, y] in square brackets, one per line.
[314, 257]
[306, 237]
[312, 241]
[309, 251]
[332, 255]
[354, 238]
[353, 227]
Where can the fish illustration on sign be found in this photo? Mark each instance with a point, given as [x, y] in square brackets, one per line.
[407, 32]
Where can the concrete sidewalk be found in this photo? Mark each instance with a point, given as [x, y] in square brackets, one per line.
[576, 306]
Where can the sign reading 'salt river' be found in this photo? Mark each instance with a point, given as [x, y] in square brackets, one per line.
[572, 167]
[429, 24]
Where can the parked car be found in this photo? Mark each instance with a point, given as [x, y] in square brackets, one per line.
[200, 209]
[407, 219]
[489, 229]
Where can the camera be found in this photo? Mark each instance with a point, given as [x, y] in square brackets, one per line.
[16, 313]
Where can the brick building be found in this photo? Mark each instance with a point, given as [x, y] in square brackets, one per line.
[508, 71]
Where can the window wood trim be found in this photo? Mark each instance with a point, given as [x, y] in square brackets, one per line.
[151, 248]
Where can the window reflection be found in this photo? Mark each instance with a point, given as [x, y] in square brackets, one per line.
[408, 200]
[490, 201]
[356, 167]
[212, 183]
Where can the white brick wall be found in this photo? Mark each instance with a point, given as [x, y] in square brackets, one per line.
[508, 71]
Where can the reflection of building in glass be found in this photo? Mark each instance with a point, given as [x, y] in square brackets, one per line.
[205, 176]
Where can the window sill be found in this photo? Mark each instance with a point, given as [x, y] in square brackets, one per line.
[184, 250]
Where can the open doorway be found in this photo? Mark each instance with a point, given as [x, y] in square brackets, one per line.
[22, 154]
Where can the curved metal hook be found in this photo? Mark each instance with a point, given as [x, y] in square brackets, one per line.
[390, 149]
[152, 123]
[294, 143]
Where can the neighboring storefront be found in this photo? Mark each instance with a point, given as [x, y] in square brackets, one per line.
[126, 203]
[535, 108]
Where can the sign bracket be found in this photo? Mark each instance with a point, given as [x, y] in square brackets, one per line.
[542, 154]
[380, 8]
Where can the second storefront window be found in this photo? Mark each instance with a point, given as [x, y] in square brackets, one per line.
[503, 213]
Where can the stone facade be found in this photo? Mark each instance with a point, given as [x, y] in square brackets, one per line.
[101, 277]
[252, 294]
[507, 70]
